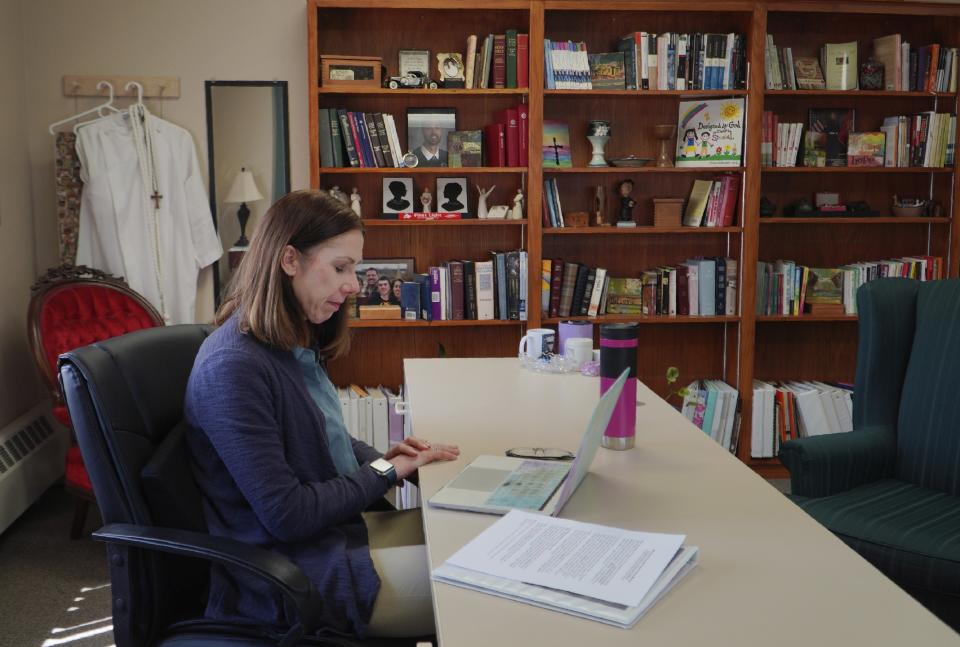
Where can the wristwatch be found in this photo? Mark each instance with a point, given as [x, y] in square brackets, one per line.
[385, 469]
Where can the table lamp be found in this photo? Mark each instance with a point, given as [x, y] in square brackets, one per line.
[243, 190]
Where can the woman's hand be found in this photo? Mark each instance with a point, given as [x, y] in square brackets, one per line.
[413, 453]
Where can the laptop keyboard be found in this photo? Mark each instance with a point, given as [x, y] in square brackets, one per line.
[530, 485]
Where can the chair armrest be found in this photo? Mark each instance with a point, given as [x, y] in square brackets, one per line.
[824, 465]
[274, 568]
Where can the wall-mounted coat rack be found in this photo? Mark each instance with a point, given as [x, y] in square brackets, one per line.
[163, 87]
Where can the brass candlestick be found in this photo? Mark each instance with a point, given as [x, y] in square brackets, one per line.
[665, 133]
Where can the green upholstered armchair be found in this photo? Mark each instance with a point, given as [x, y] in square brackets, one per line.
[891, 488]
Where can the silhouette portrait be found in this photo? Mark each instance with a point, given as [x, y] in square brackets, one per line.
[452, 192]
[397, 195]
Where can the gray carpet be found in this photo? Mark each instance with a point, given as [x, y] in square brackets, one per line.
[55, 590]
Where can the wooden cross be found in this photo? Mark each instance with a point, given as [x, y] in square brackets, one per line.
[156, 197]
[556, 150]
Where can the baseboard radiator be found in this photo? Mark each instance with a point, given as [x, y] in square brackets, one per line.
[32, 452]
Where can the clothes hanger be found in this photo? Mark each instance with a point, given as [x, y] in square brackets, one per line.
[107, 104]
[138, 107]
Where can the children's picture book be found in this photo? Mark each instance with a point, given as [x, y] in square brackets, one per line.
[556, 145]
[825, 285]
[464, 148]
[814, 149]
[866, 149]
[710, 132]
[836, 124]
[809, 75]
[607, 71]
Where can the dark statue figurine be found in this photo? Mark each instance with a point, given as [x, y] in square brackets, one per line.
[626, 203]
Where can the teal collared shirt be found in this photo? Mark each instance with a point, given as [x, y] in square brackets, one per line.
[325, 395]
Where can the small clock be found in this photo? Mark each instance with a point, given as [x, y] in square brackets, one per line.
[450, 67]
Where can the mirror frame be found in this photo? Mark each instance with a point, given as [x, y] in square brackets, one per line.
[208, 92]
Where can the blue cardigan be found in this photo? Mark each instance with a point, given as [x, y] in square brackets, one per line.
[261, 459]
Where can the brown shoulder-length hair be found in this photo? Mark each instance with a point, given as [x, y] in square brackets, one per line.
[261, 293]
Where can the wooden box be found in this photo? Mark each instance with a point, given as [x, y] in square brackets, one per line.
[353, 71]
[368, 313]
[667, 212]
[576, 219]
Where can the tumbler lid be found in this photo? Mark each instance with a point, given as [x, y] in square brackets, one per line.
[619, 331]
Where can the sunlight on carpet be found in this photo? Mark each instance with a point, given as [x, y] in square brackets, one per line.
[78, 628]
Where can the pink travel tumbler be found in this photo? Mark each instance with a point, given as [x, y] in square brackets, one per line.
[618, 351]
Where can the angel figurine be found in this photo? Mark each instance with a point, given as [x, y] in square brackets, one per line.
[482, 202]
[517, 212]
[355, 201]
[336, 193]
[426, 199]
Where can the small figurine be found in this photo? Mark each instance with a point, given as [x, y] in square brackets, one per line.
[355, 201]
[426, 199]
[335, 192]
[599, 203]
[482, 202]
[626, 205]
[517, 212]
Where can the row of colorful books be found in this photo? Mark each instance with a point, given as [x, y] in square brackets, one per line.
[697, 287]
[499, 61]
[713, 203]
[712, 406]
[370, 415]
[787, 288]
[358, 139]
[925, 139]
[675, 61]
[785, 411]
[929, 68]
[463, 289]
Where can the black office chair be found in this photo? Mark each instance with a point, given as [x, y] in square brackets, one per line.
[125, 397]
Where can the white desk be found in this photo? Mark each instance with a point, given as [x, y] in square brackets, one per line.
[768, 573]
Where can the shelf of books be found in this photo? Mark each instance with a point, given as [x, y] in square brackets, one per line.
[614, 162]
[858, 133]
[424, 138]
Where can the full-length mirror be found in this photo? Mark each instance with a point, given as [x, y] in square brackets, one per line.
[248, 144]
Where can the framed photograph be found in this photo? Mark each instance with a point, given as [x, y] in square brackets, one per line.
[414, 60]
[397, 195]
[452, 195]
[381, 280]
[427, 130]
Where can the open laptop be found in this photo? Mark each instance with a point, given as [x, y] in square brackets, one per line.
[498, 484]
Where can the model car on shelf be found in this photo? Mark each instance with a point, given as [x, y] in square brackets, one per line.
[410, 81]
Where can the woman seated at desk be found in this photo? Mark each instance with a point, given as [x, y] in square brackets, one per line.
[270, 451]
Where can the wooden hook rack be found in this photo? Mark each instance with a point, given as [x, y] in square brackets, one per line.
[160, 87]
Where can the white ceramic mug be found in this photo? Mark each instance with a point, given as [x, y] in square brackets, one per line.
[537, 343]
[580, 349]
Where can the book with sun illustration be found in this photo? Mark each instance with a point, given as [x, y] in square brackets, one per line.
[710, 133]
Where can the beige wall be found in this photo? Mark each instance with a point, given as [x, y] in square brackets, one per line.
[20, 385]
[195, 40]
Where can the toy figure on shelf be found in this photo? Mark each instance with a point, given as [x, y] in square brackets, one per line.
[626, 204]
[482, 202]
[335, 192]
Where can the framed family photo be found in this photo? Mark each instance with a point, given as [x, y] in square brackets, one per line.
[380, 280]
[427, 130]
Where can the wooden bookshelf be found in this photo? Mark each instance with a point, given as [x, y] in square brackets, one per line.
[736, 348]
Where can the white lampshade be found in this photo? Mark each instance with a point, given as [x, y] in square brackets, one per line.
[244, 189]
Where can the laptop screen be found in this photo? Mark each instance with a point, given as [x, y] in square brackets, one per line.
[591, 440]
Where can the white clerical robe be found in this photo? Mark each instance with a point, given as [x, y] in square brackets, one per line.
[116, 231]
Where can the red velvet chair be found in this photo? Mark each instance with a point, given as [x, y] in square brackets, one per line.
[73, 306]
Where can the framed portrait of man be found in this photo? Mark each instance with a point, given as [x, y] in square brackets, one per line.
[380, 280]
[397, 195]
[427, 130]
[452, 195]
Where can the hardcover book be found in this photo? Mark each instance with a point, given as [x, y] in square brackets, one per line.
[825, 285]
[710, 133]
[835, 124]
[465, 148]
[866, 149]
[607, 71]
[840, 65]
[808, 73]
[556, 145]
